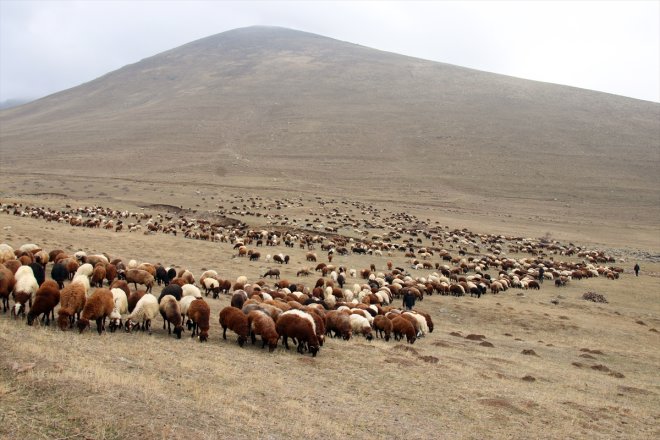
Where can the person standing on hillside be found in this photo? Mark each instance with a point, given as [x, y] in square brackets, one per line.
[541, 272]
[636, 269]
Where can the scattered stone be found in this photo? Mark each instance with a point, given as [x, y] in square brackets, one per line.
[554, 301]
[440, 344]
[473, 337]
[508, 334]
[406, 348]
[640, 322]
[18, 368]
[653, 330]
[600, 367]
[564, 317]
[587, 356]
[456, 334]
[595, 297]
[529, 352]
[617, 375]
[486, 344]
[430, 359]
[577, 364]
[529, 378]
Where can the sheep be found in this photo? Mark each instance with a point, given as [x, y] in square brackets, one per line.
[134, 298]
[139, 276]
[383, 325]
[38, 272]
[7, 282]
[145, 310]
[98, 275]
[121, 284]
[211, 285]
[360, 325]
[110, 273]
[199, 313]
[161, 275]
[260, 323]
[272, 273]
[190, 290]
[184, 304]
[299, 328]
[121, 307]
[83, 281]
[234, 319]
[171, 313]
[85, 269]
[25, 288]
[98, 307]
[402, 327]
[6, 253]
[238, 299]
[59, 273]
[421, 323]
[187, 276]
[72, 302]
[339, 323]
[172, 289]
[45, 300]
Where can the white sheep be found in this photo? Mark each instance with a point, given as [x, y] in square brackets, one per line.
[360, 326]
[184, 303]
[29, 248]
[190, 290]
[85, 269]
[121, 307]
[6, 253]
[145, 310]
[24, 290]
[423, 326]
[84, 281]
[242, 280]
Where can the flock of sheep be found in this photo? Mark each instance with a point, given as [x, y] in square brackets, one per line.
[284, 309]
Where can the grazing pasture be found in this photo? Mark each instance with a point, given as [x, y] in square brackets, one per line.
[496, 365]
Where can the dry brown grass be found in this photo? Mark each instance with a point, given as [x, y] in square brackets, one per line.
[444, 386]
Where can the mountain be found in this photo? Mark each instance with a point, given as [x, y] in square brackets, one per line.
[262, 103]
[9, 103]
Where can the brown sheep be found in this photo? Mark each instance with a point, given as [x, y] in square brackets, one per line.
[402, 327]
[98, 307]
[72, 302]
[260, 323]
[293, 326]
[110, 273]
[45, 300]
[234, 319]
[339, 323]
[200, 313]
[133, 299]
[319, 321]
[171, 313]
[383, 325]
[98, 275]
[238, 299]
[139, 276]
[7, 282]
[13, 265]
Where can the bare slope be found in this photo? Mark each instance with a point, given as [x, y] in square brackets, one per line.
[263, 103]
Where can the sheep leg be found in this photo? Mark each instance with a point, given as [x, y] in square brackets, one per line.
[98, 325]
[224, 333]
[254, 339]
[286, 341]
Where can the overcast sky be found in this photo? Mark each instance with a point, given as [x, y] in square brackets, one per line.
[48, 46]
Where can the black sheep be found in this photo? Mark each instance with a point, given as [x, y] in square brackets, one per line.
[39, 272]
[173, 289]
[161, 276]
[59, 273]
